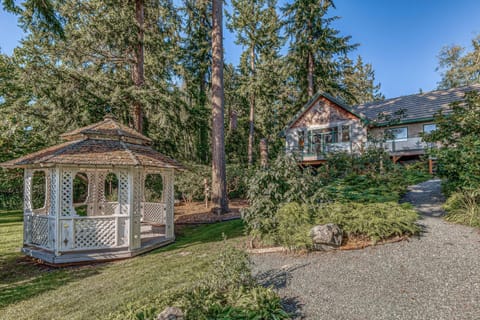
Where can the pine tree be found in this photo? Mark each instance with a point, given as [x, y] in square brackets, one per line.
[315, 46]
[459, 68]
[195, 71]
[358, 82]
[219, 185]
[257, 29]
[73, 78]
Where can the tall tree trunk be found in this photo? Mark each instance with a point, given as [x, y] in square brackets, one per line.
[251, 119]
[311, 70]
[219, 185]
[138, 74]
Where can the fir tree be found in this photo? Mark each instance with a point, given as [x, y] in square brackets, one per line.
[358, 82]
[459, 68]
[315, 46]
[257, 28]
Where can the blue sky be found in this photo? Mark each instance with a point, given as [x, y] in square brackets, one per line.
[400, 38]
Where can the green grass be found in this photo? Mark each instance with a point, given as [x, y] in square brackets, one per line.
[104, 291]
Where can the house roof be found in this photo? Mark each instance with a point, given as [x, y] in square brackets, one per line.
[418, 107]
[319, 94]
[103, 144]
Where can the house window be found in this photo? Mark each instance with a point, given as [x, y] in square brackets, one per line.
[345, 133]
[301, 140]
[429, 128]
[397, 134]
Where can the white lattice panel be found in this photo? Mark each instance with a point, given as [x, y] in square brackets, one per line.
[95, 233]
[27, 191]
[153, 212]
[39, 231]
[53, 192]
[110, 208]
[66, 190]
[123, 191]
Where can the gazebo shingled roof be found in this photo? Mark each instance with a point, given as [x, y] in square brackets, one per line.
[105, 143]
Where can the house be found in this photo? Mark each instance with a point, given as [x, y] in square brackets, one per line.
[326, 124]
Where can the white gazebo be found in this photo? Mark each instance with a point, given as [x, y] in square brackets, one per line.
[109, 222]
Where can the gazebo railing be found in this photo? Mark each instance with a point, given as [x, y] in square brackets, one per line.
[36, 228]
[154, 212]
[111, 208]
[94, 232]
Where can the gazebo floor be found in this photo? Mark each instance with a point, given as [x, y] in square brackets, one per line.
[153, 237]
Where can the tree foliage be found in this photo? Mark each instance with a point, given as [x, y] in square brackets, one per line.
[457, 140]
[76, 61]
[458, 66]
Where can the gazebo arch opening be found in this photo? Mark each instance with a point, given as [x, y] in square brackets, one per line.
[80, 193]
[39, 189]
[104, 194]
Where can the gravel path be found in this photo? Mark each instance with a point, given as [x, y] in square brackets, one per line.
[434, 276]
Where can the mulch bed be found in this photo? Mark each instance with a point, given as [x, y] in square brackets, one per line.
[353, 243]
[198, 213]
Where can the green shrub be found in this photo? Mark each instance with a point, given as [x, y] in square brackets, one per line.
[464, 207]
[228, 291]
[268, 188]
[417, 172]
[294, 224]
[375, 220]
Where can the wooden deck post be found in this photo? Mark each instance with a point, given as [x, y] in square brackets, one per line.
[430, 166]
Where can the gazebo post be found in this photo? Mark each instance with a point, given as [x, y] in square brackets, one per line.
[27, 204]
[55, 208]
[169, 203]
[136, 196]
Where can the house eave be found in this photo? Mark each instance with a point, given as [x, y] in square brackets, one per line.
[406, 121]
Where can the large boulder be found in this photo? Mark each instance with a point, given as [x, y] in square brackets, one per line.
[326, 236]
[171, 313]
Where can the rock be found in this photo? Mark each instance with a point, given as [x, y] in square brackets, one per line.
[171, 313]
[326, 237]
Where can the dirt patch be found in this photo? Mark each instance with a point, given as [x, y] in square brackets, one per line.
[197, 213]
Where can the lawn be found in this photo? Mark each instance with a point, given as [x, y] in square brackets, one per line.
[117, 290]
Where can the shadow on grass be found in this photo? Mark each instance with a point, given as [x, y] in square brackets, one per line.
[10, 216]
[20, 277]
[187, 236]
[32, 279]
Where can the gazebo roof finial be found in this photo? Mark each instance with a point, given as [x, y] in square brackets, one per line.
[109, 114]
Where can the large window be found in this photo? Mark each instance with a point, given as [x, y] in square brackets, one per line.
[429, 128]
[397, 134]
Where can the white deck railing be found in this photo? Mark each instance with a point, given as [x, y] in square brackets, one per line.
[393, 147]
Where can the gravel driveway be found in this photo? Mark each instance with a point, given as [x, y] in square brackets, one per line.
[434, 276]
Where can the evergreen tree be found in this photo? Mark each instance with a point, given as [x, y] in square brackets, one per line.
[73, 78]
[195, 71]
[257, 26]
[459, 68]
[358, 81]
[315, 47]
